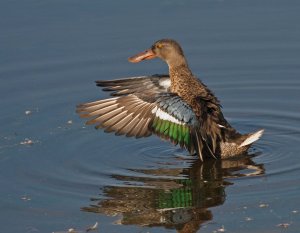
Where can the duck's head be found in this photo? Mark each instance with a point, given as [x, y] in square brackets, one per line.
[166, 49]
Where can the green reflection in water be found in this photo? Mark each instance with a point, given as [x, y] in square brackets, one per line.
[177, 198]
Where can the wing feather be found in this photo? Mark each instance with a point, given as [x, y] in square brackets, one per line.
[142, 106]
[105, 117]
[110, 123]
[120, 125]
[142, 84]
[100, 111]
[127, 115]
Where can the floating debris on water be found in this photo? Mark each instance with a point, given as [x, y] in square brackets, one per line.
[28, 112]
[248, 219]
[295, 211]
[222, 229]
[26, 198]
[92, 228]
[27, 141]
[73, 230]
[283, 225]
[70, 122]
[263, 205]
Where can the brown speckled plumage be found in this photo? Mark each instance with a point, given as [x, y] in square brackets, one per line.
[178, 107]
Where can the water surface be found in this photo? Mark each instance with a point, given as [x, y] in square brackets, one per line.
[57, 174]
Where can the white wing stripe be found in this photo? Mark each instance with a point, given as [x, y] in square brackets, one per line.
[165, 116]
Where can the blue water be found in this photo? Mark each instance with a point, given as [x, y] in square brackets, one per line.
[56, 173]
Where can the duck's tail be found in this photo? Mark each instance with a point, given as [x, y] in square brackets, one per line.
[252, 138]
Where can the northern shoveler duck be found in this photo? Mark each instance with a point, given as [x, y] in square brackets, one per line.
[177, 107]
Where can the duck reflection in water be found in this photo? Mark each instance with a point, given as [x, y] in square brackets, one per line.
[177, 198]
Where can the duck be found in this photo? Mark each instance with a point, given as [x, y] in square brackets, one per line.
[177, 107]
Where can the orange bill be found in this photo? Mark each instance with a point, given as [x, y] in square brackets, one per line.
[146, 55]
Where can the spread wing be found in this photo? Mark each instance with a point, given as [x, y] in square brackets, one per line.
[129, 115]
[142, 106]
[130, 111]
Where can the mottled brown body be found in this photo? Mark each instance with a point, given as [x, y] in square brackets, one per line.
[232, 148]
[205, 105]
[190, 88]
[219, 134]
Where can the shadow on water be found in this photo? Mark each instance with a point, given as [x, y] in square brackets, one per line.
[176, 198]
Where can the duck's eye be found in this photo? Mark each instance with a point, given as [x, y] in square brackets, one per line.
[159, 46]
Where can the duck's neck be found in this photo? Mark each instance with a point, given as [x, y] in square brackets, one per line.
[179, 70]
